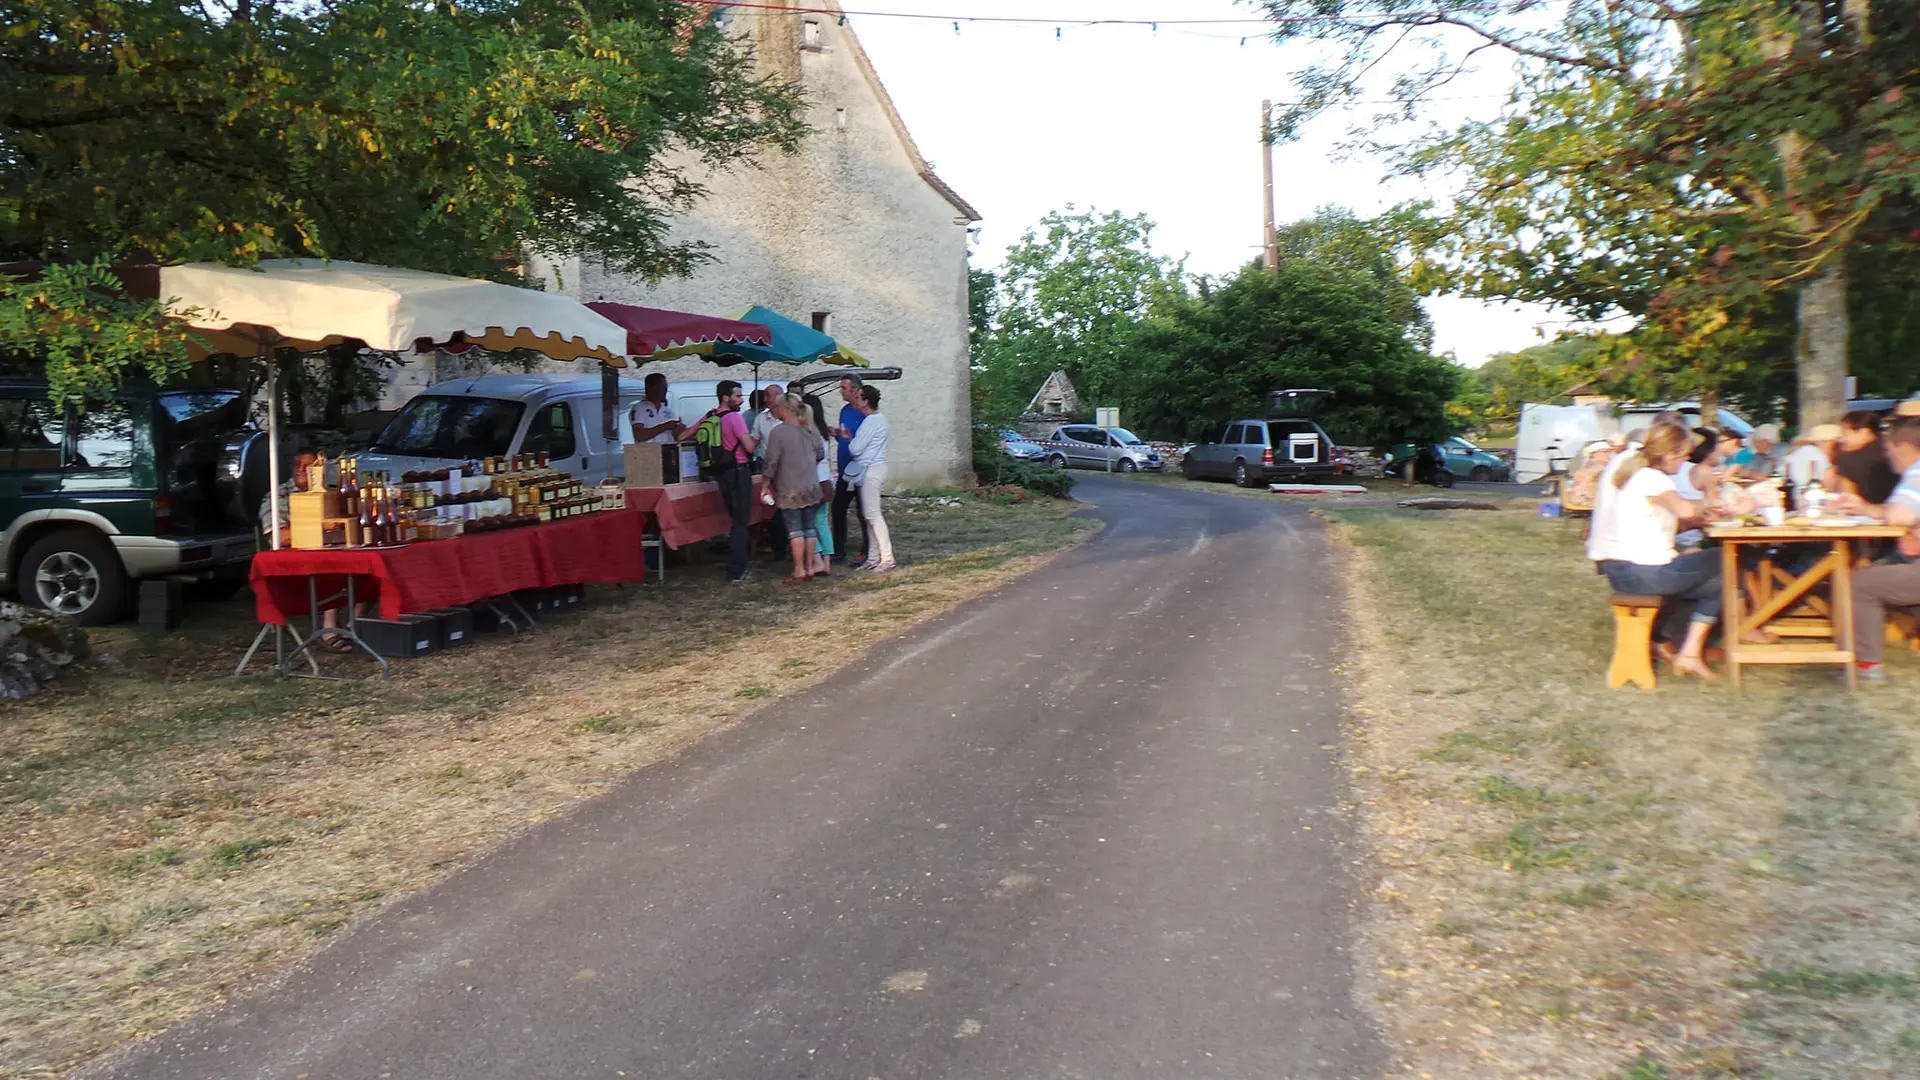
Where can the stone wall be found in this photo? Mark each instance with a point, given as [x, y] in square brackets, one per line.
[848, 226]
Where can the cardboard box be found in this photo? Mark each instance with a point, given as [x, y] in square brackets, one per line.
[653, 464]
[307, 515]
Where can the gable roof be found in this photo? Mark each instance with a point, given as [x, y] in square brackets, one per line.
[1060, 382]
[920, 165]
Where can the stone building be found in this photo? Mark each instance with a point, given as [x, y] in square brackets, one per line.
[1056, 397]
[854, 233]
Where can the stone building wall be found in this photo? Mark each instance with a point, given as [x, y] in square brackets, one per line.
[854, 225]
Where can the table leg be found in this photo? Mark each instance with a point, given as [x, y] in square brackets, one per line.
[1843, 609]
[1730, 616]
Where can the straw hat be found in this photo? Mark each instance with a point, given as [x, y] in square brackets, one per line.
[1596, 446]
[1822, 433]
[1909, 407]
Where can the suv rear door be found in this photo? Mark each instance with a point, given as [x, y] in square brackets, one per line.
[32, 433]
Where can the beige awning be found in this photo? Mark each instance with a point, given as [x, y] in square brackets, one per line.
[308, 304]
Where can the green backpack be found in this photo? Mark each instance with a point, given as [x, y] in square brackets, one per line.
[709, 445]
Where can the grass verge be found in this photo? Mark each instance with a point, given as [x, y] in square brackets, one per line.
[1577, 882]
[172, 835]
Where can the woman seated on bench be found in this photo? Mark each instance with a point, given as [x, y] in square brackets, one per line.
[1633, 543]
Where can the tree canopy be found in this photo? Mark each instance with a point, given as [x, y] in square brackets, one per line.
[1686, 164]
[437, 136]
[1085, 293]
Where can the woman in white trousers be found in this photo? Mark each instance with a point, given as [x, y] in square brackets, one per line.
[869, 467]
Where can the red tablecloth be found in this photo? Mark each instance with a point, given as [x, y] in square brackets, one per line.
[595, 549]
[693, 512]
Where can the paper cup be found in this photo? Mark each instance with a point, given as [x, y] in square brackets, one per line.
[1774, 516]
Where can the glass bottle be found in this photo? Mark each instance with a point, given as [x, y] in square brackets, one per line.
[363, 512]
[391, 523]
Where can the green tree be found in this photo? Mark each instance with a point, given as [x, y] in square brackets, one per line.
[1070, 294]
[1677, 162]
[1204, 360]
[437, 136]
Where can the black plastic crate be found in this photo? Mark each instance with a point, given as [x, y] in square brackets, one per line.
[568, 598]
[400, 639]
[456, 626]
[535, 602]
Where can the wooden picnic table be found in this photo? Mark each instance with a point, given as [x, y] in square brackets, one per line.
[1813, 629]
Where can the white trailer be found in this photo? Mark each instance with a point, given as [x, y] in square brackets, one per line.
[1550, 436]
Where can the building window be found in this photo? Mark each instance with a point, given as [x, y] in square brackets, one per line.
[823, 321]
[810, 35]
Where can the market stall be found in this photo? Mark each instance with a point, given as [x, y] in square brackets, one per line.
[402, 540]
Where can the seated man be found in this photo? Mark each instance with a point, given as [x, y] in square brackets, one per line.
[1895, 585]
[1762, 457]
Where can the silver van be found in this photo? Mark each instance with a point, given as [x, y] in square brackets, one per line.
[1087, 446]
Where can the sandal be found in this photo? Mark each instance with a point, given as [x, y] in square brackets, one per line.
[334, 642]
[796, 579]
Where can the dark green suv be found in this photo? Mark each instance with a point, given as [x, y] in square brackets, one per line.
[156, 483]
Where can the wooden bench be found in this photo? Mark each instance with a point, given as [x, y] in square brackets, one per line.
[1633, 618]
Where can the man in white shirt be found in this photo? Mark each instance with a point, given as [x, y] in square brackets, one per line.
[764, 421]
[653, 418]
[1812, 456]
[1895, 585]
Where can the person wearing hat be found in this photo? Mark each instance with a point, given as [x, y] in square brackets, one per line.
[1812, 456]
[1761, 458]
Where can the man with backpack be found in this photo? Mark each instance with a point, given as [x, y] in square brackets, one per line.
[725, 448]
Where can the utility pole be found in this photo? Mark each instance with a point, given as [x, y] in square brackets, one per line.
[1271, 239]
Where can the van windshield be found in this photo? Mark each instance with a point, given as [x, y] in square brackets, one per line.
[452, 427]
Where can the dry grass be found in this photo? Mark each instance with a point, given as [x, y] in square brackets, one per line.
[1576, 882]
[171, 836]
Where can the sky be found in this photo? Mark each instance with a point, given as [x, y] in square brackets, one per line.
[1157, 121]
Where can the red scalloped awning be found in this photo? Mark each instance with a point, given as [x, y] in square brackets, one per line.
[652, 330]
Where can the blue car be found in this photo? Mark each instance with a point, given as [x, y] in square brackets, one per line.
[1020, 448]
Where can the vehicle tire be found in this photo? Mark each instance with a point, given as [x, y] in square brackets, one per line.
[1186, 469]
[1442, 478]
[1127, 464]
[1241, 478]
[1482, 474]
[74, 572]
[1056, 461]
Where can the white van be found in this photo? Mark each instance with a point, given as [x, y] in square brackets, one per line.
[1550, 436]
[495, 415]
[485, 416]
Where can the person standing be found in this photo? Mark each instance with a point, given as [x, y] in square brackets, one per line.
[869, 466]
[845, 492]
[735, 477]
[1895, 585]
[828, 476]
[653, 418]
[792, 456]
[762, 422]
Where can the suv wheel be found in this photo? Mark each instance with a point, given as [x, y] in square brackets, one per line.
[74, 572]
[1240, 476]
[1482, 474]
[1056, 461]
[1186, 468]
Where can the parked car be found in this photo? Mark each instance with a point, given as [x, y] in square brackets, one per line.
[1020, 448]
[1086, 446]
[1285, 445]
[153, 483]
[1468, 462]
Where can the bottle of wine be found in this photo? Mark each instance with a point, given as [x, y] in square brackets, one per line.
[363, 512]
[350, 487]
[391, 524]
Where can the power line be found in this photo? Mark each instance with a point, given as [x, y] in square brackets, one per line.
[1028, 20]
